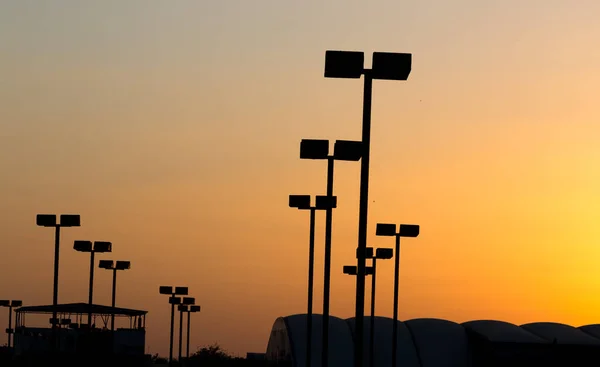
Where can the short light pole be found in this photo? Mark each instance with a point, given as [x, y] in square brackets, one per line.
[10, 304]
[114, 266]
[406, 230]
[183, 307]
[344, 150]
[49, 220]
[92, 248]
[302, 202]
[381, 254]
[191, 310]
[173, 300]
[386, 66]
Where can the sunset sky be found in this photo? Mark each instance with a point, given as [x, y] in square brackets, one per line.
[173, 128]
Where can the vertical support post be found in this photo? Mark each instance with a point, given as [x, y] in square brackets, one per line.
[396, 279]
[362, 219]
[327, 272]
[311, 266]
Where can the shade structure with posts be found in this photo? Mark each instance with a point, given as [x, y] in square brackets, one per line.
[10, 304]
[386, 66]
[173, 292]
[303, 202]
[92, 248]
[343, 150]
[49, 220]
[391, 230]
[114, 266]
[183, 307]
[380, 254]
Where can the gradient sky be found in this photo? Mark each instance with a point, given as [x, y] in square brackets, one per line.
[173, 128]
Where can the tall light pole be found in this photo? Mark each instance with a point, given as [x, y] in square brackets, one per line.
[49, 220]
[92, 248]
[111, 265]
[406, 230]
[387, 66]
[302, 202]
[173, 300]
[183, 307]
[344, 150]
[191, 310]
[10, 304]
[382, 254]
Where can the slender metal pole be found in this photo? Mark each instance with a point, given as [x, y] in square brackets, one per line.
[91, 289]
[187, 339]
[311, 266]
[372, 331]
[362, 220]
[327, 272]
[114, 298]
[55, 292]
[171, 336]
[9, 324]
[180, 334]
[396, 278]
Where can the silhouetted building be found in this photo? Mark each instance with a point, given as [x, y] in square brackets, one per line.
[439, 343]
[74, 336]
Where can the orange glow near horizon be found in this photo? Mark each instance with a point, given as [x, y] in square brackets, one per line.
[174, 129]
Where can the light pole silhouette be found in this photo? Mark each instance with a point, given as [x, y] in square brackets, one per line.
[183, 307]
[49, 220]
[302, 202]
[381, 254]
[386, 66]
[406, 230]
[10, 304]
[173, 300]
[92, 248]
[344, 150]
[111, 265]
[190, 310]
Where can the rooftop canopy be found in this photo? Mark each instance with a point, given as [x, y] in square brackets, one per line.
[82, 308]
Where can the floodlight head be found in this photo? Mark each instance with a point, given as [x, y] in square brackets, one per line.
[123, 265]
[385, 229]
[181, 291]
[409, 230]
[82, 246]
[174, 300]
[102, 246]
[391, 66]
[70, 220]
[165, 289]
[188, 301]
[182, 308]
[324, 202]
[367, 253]
[344, 64]
[4, 303]
[384, 253]
[350, 270]
[299, 201]
[347, 150]
[46, 220]
[369, 270]
[106, 264]
[194, 308]
[15, 303]
[314, 149]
